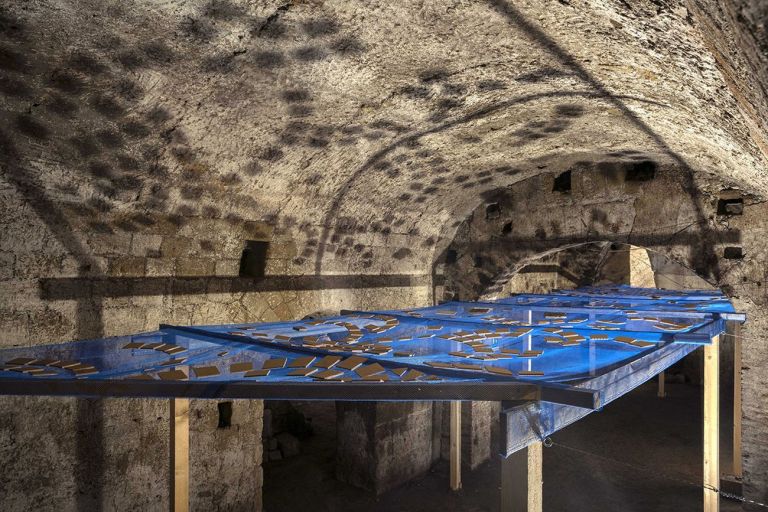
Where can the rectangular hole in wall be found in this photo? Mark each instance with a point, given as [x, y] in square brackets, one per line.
[733, 253]
[562, 183]
[253, 262]
[492, 211]
[225, 414]
[733, 206]
[641, 171]
[451, 256]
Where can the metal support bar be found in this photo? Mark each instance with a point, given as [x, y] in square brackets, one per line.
[712, 426]
[679, 313]
[521, 480]
[455, 455]
[179, 501]
[276, 390]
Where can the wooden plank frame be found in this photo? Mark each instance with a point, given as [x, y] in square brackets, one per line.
[737, 468]
[179, 447]
[712, 426]
[455, 449]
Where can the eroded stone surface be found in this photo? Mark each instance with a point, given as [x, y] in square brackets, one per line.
[145, 142]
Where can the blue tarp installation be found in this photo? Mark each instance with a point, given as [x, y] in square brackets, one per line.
[561, 355]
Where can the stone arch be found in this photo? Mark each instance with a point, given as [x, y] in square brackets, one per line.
[645, 265]
[670, 212]
[711, 226]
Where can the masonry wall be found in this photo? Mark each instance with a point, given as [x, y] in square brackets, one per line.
[113, 454]
[142, 142]
[680, 219]
[381, 445]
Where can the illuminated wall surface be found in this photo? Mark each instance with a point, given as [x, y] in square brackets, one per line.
[569, 347]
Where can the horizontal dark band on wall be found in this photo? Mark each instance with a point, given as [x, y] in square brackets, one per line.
[98, 287]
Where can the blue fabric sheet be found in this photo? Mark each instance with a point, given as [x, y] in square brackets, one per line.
[563, 338]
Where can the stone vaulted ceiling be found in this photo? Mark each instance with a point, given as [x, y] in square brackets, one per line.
[352, 125]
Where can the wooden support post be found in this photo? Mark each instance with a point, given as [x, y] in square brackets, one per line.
[521, 480]
[712, 426]
[662, 393]
[455, 456]
[738, 471]
[179, 501]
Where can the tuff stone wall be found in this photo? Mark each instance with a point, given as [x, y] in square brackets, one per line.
[225, 469]
[383, 444]
[677, 217]
[142, 142]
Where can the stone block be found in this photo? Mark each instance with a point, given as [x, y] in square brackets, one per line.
[227, 267]
[146, 245]
[475, 433]
[221, 456]
[7, 260]
[110, 244]
[33, 266]
[277, 267]
[15, 326]
[282, 250]
[195, 267]
[381, 445]
[127, 266]
[157, 267]
[176, 246]
[257, 230]
[121, 321]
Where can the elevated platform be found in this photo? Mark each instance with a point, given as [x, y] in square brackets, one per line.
[550, 359]
[579, 348]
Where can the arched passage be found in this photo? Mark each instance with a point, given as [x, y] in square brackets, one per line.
[541, 233]
[595, 263]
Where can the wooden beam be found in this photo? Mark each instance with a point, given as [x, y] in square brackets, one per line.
[179, 501]
[455, 455]
[662, 393]
[738, 470]
[712, 426]
[521, 480]
[535, 478]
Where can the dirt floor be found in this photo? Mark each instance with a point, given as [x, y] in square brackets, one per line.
[640, 454]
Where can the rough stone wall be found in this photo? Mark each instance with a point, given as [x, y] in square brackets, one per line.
[226, 472]
[112, 454]
[300, 112]
[381, 445]
[478, 420]
[563, 270]
[142, 142]
[672, 214]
